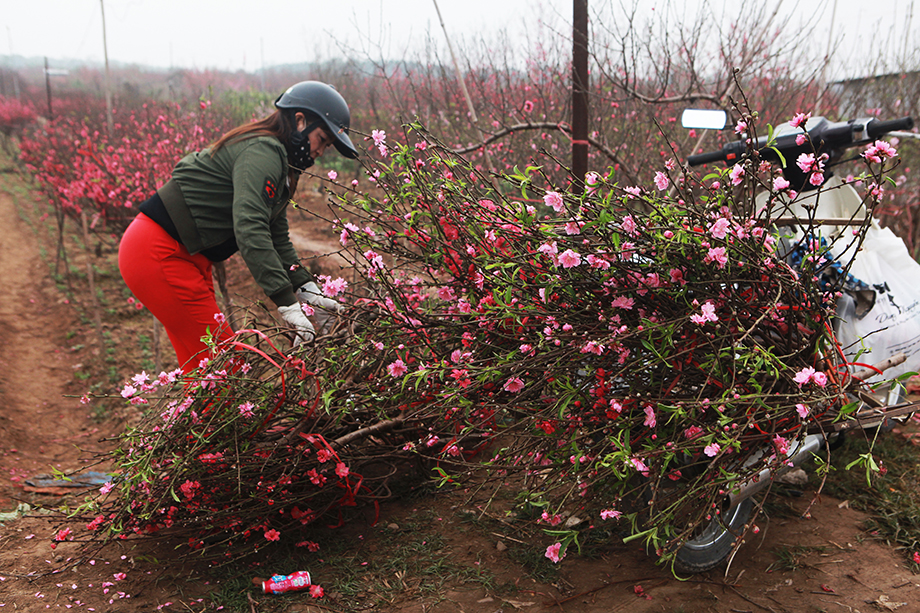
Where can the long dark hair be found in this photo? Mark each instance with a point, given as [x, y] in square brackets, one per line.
[279, 124]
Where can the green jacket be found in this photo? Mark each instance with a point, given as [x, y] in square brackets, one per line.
[239, 193]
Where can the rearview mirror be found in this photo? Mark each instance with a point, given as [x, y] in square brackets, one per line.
[703, 119]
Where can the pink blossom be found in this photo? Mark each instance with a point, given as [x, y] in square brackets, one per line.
[803, 376]
[219, 318]
[780, 183]
[802, 410]
[650, 420]
[736, 174]
[554, 199]
[552, 552]
[120, 576]
[63, 534]
[741, 126]
[707, 313]
[639, 465]
[513, 385]
[719, 228]
[634, 192]
[397, 368]
[610, 514]
[548, 249]
[316, 591]
[528, 106]
[573, 228]
[552, 520]
[879, 151]
[569, 259]
[593, 347]
[272, 535]
[628, 225]
[341, 470]
[106, 488]
[333, 175]
[598, 262]
[717, 255]
[799, 119]
[334, 287]
[692, 432]
[677, 276]
[819, 378]
[712, 450]
[781, 444]
[246, 409]
[661, 181]
[379, 137]
[623, 302]
[189, 489]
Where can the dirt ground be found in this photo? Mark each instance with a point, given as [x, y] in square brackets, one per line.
[837, 565]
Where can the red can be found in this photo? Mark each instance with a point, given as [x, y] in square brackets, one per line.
[279, 584]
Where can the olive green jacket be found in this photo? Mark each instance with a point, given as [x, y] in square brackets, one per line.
[240, 193]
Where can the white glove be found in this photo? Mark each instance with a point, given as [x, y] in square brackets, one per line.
[295, 316]
[325, 309]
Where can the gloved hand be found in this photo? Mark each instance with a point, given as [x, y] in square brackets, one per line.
[325, 309]
[294, 315]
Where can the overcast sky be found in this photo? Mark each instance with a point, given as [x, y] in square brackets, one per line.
[238, 34]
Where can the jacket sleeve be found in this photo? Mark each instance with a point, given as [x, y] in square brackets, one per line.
[289, 258]
[256, 173]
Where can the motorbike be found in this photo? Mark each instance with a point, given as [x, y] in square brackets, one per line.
[821, 211]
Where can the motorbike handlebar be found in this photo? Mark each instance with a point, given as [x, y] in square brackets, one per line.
[876, 128]
[705, 158]
[824, 135]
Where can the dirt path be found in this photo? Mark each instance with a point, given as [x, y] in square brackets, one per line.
[39, 427]
[822, 563]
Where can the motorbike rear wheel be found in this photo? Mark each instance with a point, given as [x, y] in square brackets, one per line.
[715, 541]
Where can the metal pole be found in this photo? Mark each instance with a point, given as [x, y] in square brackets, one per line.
[110, 126]
[466, 95]
[579, 91]
[48, 89]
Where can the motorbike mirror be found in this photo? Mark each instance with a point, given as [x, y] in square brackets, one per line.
[703, 119]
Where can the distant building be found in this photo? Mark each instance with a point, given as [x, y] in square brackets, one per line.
[886, 96]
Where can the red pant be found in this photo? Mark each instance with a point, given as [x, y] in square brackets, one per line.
[176, 286]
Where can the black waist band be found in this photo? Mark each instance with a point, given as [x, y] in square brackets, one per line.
[154, 208]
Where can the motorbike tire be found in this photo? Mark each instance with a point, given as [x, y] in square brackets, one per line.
[713, 544]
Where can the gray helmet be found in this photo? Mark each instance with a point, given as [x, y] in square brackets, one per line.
[329, 105]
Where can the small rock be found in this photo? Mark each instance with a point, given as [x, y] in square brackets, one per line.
[573, 521]
[500, 546]
[392, 526]
[796, 476]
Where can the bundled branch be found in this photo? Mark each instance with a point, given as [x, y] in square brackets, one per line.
[623, 352]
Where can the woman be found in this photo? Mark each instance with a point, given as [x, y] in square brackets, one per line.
[229, 197]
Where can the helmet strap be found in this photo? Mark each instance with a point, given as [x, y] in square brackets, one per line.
[300, 157]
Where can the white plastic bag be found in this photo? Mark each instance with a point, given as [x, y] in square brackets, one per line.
[892, 326]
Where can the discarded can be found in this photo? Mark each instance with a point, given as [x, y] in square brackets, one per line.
[279, 584]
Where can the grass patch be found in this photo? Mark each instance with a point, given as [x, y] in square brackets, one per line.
[893, 498]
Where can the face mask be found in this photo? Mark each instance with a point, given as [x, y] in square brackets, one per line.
[299, 155]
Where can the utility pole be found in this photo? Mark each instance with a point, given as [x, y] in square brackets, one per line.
[579, 91]
[48, 89]
[110, 126]
[466, 94]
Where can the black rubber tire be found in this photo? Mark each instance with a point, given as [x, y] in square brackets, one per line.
[715, 542]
